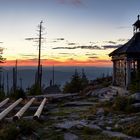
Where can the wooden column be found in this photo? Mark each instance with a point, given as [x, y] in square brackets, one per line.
[128, 73]
[138, 66]
[114, 73]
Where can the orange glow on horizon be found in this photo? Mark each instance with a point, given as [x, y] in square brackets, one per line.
[50, 62]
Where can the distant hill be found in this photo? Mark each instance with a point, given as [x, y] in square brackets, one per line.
[62, 74]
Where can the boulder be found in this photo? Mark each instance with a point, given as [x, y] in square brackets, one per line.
[69, 124]
[136, 96]
[136, 105]
[70, 136]
[100, 112]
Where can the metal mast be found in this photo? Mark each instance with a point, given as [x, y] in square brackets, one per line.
[39, 71]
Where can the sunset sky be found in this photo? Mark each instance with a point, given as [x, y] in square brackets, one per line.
[77, 32]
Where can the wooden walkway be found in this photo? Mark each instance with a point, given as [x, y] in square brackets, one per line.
[15, 110]
[8, 108]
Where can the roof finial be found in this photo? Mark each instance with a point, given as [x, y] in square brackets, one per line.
[138, 17]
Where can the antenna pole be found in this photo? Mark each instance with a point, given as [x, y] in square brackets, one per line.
[39, 56]
[53, 76]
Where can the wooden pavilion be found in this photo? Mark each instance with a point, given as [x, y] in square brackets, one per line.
[126, 60]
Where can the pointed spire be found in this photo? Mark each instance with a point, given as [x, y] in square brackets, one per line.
[136, 25]
[138, 17]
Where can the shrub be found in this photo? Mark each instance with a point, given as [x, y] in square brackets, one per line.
[133, 129]
[18, 129]
[76, 84]
[90, 131]
[34, 90]
[123, 103]
[9, 133]
[19, 93]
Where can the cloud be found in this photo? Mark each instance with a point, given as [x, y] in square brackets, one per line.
[64, 53]
[81, 47]
[93, 42]
[1, 50]
[110, 42]
[112, 46]
[71, 43]
[54, 41]
[93, 57]
[74, 2]
[1, 42]
[123, 27]
[64, 48]
[60, 39]
[122, 40]
[67, 53]
[30, 39]
[28, 55]
[95, 47]
[71, 59]
[90, 54]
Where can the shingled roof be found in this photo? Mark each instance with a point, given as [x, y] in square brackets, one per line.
[131, 47]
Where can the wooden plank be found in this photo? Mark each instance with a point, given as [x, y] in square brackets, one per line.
[4, 102]
[23, 109]
[10, 108]
[39, 110]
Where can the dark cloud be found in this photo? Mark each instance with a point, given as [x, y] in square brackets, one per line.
[122, 39]
[30, 39]
[1, 50]
[90, 47]
[81, 47]
[64, 48]
[64, 53]
[67, 53]
[71, 43]
[35, 39]
[93, 57]
[103, 61]
[28, 55]
[33, 59]
[60, 39]
[1, 42]
[54, 41]
[92, 42]
[71, 59]
[90, 54]
[112, 46]
[110, 42]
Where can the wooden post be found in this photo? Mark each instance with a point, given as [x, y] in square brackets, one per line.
[114, 73]
[128, 73]
[4, 102]
[39, 110]
[23, 109]
[10, 108]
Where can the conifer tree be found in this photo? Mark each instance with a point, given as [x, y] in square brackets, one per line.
[76, 84]
[2, 94]
[84, 79]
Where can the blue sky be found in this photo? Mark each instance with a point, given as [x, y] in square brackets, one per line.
[77, 21]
